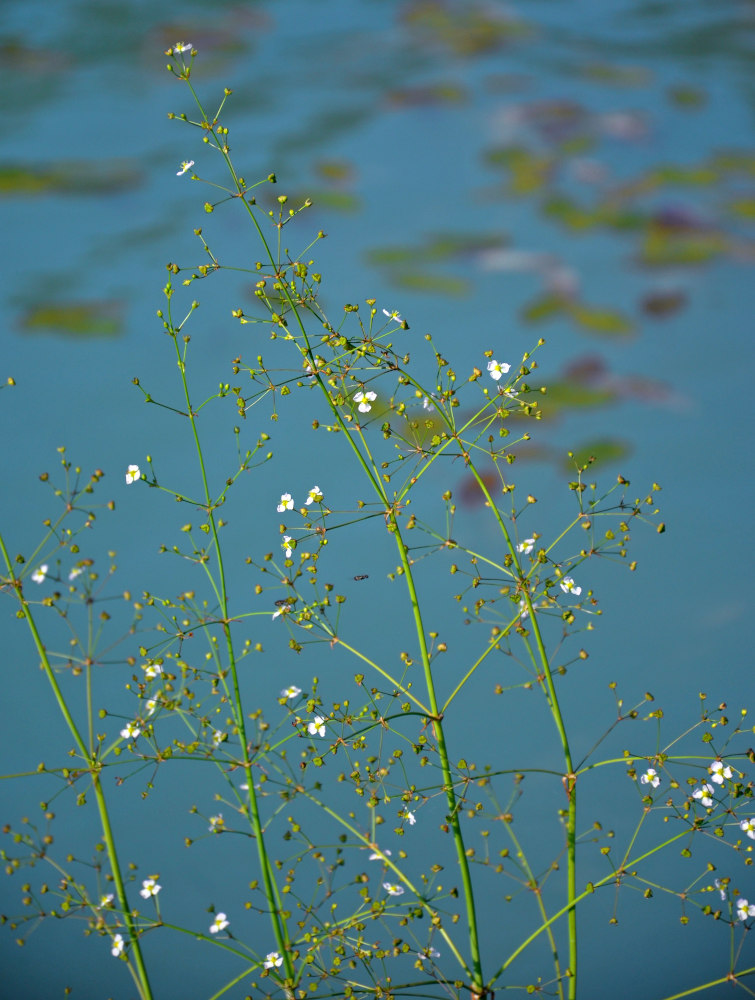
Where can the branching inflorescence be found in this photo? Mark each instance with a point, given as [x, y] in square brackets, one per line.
[316, 796]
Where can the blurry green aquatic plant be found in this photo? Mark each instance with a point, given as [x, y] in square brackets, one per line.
[667, 235]
[80, 177]
[76, 319]
[465, 27]
[311, 787]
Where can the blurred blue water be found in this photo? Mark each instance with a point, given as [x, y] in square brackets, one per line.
[351, 83]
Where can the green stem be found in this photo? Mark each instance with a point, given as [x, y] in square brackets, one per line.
[569, 779]
[272, 894]
[93, 767]
[448, 783]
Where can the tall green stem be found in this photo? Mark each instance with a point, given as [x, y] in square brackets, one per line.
[93, 768]
[569, 779]
[280, 928]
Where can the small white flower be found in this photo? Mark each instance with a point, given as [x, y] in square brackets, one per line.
[569, 587]
[719, 772]
[185, 165]
[745, 909]
[287, 546]
[498, 368]
[292, 691]
[118, 945]
[650, 777]
[721, 889]
[365, 400]
[426, 404]
[393, 890]
[410, 818]
[39, 575]
[219, 923]
[287, 503]
[273, 960]
[704, 793]
[218, 737]
[379, 857]
[526, 546]
[316, 727]
[393, 315]
[131, 731]
[133, 473]
[748, 826]
[151, 670]
[106, 900]
[182, 46]
[314, 496]
[151, 705]
[216, 823]
[76, 571]
[428, 952]
[149, 888]
[523, 609]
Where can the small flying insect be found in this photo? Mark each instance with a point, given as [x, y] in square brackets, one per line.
[362, 576]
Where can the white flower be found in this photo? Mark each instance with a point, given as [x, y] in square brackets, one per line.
[149, 888]
[118, 945]
[283, 610]
[292, 691]
[218, 737]
[151, 670]
[216, 823]
[428, 952]
[721, 889]
[393, 315]
[426, 404]
[133, 473]
[365, 400]
[288, 547]
[107, 899]
[131, 731]
[650, 777]
[523, 609]
[273, 960]
[704, 793]
[498, 368]
[182, 46]
[316, 727]
[719, 773]
[526, 546]
[287, 503]
[151, 705]
[379, 857]
[569, 587]
[76, 571]
[410, 818]
[185, 165]
[314, 496]
[219, 923]
[393, 890]
[745, 909]
[748, 826]
[39, 575]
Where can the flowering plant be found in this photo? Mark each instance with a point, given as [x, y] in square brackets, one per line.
[414, 921]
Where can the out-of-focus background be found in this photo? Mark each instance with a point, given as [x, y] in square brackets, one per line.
[496, 172]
